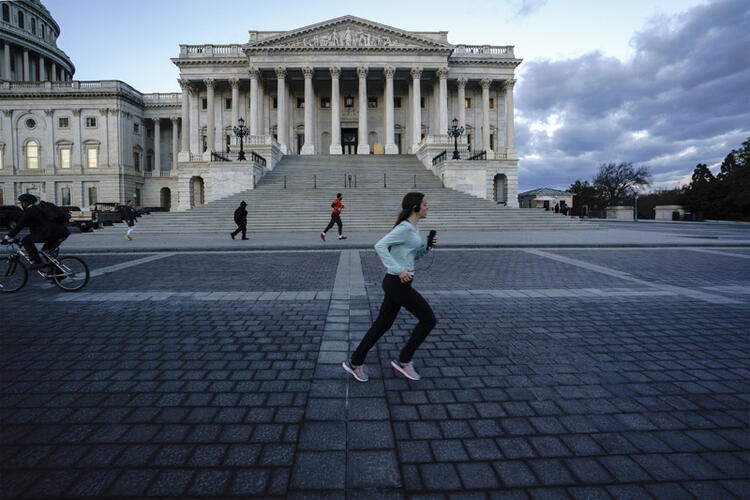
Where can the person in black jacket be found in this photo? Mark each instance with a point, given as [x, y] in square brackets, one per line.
[41, 230]
[240, 218]
[130, 218]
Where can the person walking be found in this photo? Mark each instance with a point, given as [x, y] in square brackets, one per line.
[337, 206]
[240, 218]
[398, 250]
[130, 218]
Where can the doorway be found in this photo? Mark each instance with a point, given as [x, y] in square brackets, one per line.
[165, 199]
[349, 140]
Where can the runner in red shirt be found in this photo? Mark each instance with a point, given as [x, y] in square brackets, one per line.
[337, 207]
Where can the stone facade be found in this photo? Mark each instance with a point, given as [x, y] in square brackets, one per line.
[344, 86]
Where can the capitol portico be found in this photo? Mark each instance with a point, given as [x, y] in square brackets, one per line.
[339, 87]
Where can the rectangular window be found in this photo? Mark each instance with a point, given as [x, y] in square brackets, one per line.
[325, 102]
[204, 104]
[65, 158]
[421, 102]
[136, 128]
[92, 158]
[65, 196]
[2, 155]
[32, 155]
[90, 122]
[228, 103]
[467, 102]
[137, 161]
[492, 103]
[397, 102]
[300, 102]
[349, 101]
[372, 102]
[63, 122]
[92, 195]
[275, 102]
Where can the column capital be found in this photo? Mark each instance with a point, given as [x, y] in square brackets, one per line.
[362, 71]
[156, 121]
[280, 71]
[416, 72]
[389, 71]
[210, 82]
[509, 84]
[442, 72]
[308, 71]
[485, 83]
[184, 84]
[253, 71]
[234, 82]
[76, 111]
[335, 71]
[174, 119]
[462, 82]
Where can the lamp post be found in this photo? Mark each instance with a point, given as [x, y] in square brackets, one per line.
[455, 131]
[241, 131]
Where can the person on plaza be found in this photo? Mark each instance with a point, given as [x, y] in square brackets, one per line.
[130, 218]
[398, 250]
[336, 207]
[240, 218]
[41, 230]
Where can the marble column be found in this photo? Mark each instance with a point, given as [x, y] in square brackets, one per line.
[363, 148]
[281, 122]
[335, 148]
[175, 144]
[390, 145]
[157, 145]
[308, 148]
[462, 102]
[443, 101]
[416, 109]
[210, 132]
[42, 70]
[53, 70]
[185, 142]
[485, 83]
[6, 61]
[26, 69]
[510, 149]
[254, 102]
[235, 84]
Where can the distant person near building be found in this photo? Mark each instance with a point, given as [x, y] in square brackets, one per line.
[336, 207]
[130, 219]
[398, 250]
[240, 218]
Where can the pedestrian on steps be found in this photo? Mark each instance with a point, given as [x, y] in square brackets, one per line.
[240, 218]
[336, 207]
[398, 250]
[130, 218]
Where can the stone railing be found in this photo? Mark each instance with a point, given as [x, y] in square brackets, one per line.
[171, 98]
[209, 50]
[74, 85]
[484, 51]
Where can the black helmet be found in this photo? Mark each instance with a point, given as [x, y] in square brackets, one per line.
[27, 198]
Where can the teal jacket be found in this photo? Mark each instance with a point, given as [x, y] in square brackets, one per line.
[406, 246]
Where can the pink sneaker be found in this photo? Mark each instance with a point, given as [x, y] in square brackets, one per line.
[358, 372]
[406, 369]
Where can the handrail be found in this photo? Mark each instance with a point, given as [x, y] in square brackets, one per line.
[217, 157]
[258, 158]
[440, 158]
[482, 155]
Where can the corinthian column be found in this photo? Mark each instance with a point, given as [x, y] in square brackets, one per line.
[235, 83]
[157, 145]
[462, 102]
[443, 100]
[510, 149]
[335, 147]
[308, 148]
[209, 117]
[254, 101]
[281, 125]
[174, 143]
[390, 145]
[185, 140]
[363, 148]
[485, 83]
[416, 109]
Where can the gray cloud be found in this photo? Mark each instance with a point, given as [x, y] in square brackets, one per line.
[526, 7]
[680, 100]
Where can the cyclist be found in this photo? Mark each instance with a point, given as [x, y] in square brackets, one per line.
[41, 230]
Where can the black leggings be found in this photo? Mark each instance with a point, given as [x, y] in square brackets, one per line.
[397, 295]
[335, 219]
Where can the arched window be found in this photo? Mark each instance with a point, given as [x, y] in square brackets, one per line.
[32, 154]
[32, 22]
[20, 20]
[6, 13]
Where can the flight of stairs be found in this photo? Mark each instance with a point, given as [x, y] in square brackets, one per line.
[297, 195]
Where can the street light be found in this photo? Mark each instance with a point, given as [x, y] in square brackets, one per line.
[455, 131]
[241, 131]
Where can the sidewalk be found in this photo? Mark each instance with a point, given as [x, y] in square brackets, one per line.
[622, 234]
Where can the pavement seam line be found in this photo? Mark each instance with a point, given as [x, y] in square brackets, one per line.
[716, 252]
[125, 265]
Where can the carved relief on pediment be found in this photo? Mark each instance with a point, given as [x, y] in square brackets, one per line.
[348, 37]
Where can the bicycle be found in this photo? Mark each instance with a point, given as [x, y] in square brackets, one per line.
[67, 273]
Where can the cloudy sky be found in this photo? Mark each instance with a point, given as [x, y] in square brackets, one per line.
[664, 84]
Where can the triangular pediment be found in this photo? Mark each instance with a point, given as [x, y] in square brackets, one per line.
[348, 33]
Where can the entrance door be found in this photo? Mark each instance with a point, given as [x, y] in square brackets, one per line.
[349, 140]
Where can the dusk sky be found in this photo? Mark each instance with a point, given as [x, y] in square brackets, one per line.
[664, 84]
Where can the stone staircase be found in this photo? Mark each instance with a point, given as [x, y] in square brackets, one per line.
[297, 194]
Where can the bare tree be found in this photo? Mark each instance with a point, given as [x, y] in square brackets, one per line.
[616, 182]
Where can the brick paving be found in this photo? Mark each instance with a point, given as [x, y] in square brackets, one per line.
[576, 373]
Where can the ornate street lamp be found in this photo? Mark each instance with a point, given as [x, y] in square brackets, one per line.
[241, 131]
[455, 131]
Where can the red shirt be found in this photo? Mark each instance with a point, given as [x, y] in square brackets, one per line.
[337, 206]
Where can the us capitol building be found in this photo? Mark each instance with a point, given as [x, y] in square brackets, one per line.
[347, 86]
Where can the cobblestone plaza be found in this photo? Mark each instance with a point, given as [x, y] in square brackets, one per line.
[552, 373]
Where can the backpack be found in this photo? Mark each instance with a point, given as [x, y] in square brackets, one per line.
[54, 213]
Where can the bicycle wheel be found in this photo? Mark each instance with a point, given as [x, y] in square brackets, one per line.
[13, 274]
[72, 274]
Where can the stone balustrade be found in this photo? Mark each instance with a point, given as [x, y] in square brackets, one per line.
[484, 51]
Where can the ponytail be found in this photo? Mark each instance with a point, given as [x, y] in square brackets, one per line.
[410, 204]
